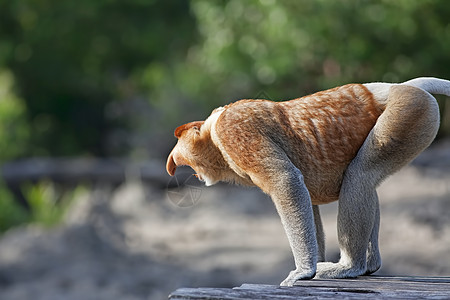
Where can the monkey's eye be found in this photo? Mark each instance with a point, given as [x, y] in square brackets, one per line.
[195, 132]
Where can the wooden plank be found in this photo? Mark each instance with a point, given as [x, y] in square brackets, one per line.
[382, 283]
[364, 287]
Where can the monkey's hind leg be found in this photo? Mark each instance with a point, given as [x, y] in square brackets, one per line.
[320, 235]
[356, 223]
[406, 127]
[373, 252]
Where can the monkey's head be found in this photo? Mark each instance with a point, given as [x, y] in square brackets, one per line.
[196, 150]
[187, 147]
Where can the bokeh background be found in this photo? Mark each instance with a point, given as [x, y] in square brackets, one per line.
[90, 92]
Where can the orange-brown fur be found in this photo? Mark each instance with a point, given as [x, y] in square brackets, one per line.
[320, 133]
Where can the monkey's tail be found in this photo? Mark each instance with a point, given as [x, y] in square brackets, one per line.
[431, 85]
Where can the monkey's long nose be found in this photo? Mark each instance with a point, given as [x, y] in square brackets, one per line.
[171, 166]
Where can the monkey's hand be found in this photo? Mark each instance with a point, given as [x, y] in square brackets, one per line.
[298, 275]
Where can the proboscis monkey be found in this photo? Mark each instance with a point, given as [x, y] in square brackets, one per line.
[337, 144]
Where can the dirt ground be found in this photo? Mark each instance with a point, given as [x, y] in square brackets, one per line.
[142, 242]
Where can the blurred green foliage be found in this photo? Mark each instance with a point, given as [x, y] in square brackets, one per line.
[71, 59]
[104, 77]
[289, 48]
[14, 131]
[48, 205]
[11, 213]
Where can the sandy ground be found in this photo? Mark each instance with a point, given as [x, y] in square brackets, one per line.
[140, 242]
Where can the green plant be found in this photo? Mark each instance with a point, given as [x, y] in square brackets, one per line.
[48, 204]
[11, 213]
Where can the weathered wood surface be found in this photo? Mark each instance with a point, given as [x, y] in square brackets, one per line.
[364, 287]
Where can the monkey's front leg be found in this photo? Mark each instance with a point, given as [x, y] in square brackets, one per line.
[293, 203]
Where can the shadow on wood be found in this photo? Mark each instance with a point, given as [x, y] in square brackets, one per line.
[364, 287]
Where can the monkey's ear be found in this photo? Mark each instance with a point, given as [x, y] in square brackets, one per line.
[196, 125]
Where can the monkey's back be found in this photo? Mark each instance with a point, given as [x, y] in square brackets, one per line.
[331, 126]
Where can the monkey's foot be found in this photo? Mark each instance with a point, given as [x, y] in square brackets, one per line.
[338, 270]
[297, 275]
[373, 263]
[372, 268]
